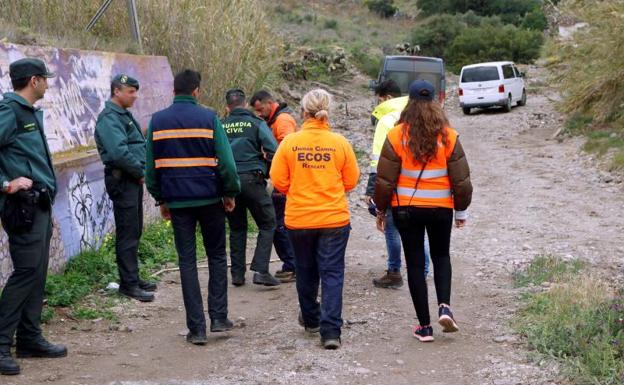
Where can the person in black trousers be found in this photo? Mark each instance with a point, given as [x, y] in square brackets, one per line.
[423, 175]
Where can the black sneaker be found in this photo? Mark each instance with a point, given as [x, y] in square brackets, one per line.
[39, 348]
[148, 286]
[8, 366]
[221, 325]
[331, 343]
[136, 293]
[446, 319]
[198, 338]
[423, 333]
[265, 279]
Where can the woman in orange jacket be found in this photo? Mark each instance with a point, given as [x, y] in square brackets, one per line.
[315, 168]
[423, 174]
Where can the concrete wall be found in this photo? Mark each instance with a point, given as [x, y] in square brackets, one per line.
[82, 213]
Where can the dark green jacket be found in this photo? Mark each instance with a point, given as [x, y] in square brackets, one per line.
[226, 165]
[119, 140]
[24, 149]
[249, 137]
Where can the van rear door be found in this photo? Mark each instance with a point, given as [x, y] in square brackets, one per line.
[404, 70]
[481, 80]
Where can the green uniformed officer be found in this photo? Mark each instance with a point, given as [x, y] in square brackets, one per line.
[121, 145]
[28, 189]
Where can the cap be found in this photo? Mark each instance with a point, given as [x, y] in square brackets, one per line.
[126, 81]
[27, 67]
[421, 90]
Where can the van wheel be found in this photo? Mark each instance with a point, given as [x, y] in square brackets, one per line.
[466, 110]
[522, 101]
[507, 106]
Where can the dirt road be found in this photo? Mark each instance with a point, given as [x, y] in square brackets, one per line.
[532, 196]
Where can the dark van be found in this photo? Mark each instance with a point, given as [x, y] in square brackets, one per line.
[405, 69]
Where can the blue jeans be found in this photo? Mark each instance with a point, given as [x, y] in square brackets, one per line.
[320, 255]
[281, 240]
[393, 245]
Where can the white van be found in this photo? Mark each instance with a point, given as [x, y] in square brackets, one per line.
[491, 84]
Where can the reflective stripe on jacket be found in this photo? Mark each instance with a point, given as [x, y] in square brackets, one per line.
[434, 186]
[184, 153]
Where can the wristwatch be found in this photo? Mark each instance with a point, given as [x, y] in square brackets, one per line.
[5, 186]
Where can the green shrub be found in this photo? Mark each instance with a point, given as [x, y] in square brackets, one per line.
[330, 24]
[384, 8]
[437, 33]
[510, 11]
[469, 38]
[492, 43]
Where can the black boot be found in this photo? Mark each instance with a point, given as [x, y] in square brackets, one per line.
[136, 293]
[8, 366]
[221, 325]
[39, 348]
[147, 286]
[265, 279]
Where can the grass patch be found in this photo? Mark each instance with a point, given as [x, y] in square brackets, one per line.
[92, 270]
[366, 62]
[546, 268]
[579, 320]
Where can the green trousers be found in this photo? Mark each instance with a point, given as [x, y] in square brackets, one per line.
[21, 302]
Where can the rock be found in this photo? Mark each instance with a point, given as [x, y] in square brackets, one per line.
[400, 362]
[127, 329]
[134, 355]
[112, 286]
[240, 322]
[505, 338]
[362, 371]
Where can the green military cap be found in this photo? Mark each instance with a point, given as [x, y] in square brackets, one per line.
[126, 81]
[27, 67]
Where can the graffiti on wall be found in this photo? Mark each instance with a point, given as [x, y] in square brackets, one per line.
[82, 212]
[82, 84]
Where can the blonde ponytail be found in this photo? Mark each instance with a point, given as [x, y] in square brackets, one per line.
[316, 104]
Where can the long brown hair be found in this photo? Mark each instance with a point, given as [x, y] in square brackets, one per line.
[423, 122]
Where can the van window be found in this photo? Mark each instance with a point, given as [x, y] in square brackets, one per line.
[479, 74]
[508, 72]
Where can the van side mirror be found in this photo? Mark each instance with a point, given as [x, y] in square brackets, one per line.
[373, 85]
[522, 74]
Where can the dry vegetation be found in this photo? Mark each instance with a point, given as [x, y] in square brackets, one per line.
[590, 70]
[229, 41]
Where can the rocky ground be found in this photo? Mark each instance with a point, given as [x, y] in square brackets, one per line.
[533, 195]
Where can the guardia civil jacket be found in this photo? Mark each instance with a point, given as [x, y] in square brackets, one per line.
[253, 144]
[24, 148]
[119, 140]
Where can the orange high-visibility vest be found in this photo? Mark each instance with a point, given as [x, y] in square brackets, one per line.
[434, 187]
